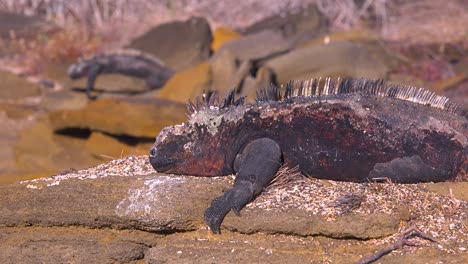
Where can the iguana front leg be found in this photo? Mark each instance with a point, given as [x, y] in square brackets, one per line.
[93, 72]
[256, 166]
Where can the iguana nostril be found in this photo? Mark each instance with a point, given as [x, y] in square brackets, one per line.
[153, 152]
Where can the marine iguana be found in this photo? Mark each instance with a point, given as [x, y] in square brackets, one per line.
[355, 130]
[128, 62]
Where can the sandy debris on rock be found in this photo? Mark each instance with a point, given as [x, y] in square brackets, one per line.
[438, 215]
[128, 166]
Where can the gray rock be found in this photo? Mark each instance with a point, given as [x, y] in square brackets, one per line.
[299, 26]
[261, 45]
[180, 44]
[335, 59]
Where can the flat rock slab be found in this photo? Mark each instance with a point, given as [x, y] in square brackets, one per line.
[163, 204]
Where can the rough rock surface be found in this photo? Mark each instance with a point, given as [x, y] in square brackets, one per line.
[187, 47]
[123, 212]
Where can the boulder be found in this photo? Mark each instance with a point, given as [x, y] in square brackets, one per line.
[15, 87]
[187, 84]
[345, 59]
[261, 45]
[223, 35]
[296, 25]
[136, 117]
[180, 44]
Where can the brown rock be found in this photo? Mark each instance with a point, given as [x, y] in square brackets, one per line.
[223, 35]
[39, 151]
[15, 87]
[180, 44]
[187, 84]
[137, 117]
[107, 147]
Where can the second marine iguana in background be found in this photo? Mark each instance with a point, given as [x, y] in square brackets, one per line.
[347, 130]
[127, 61]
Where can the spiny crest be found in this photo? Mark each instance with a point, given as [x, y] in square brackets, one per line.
[348, 86]
[210, 101]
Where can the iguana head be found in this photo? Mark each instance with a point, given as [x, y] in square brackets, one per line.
[197, 146]
[78, 69]
[188, 149]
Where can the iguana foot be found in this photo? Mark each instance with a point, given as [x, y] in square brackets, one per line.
[257, 165]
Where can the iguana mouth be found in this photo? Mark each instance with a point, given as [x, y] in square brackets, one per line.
[161, 165]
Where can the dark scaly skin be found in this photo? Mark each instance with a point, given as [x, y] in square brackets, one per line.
[353, 138]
